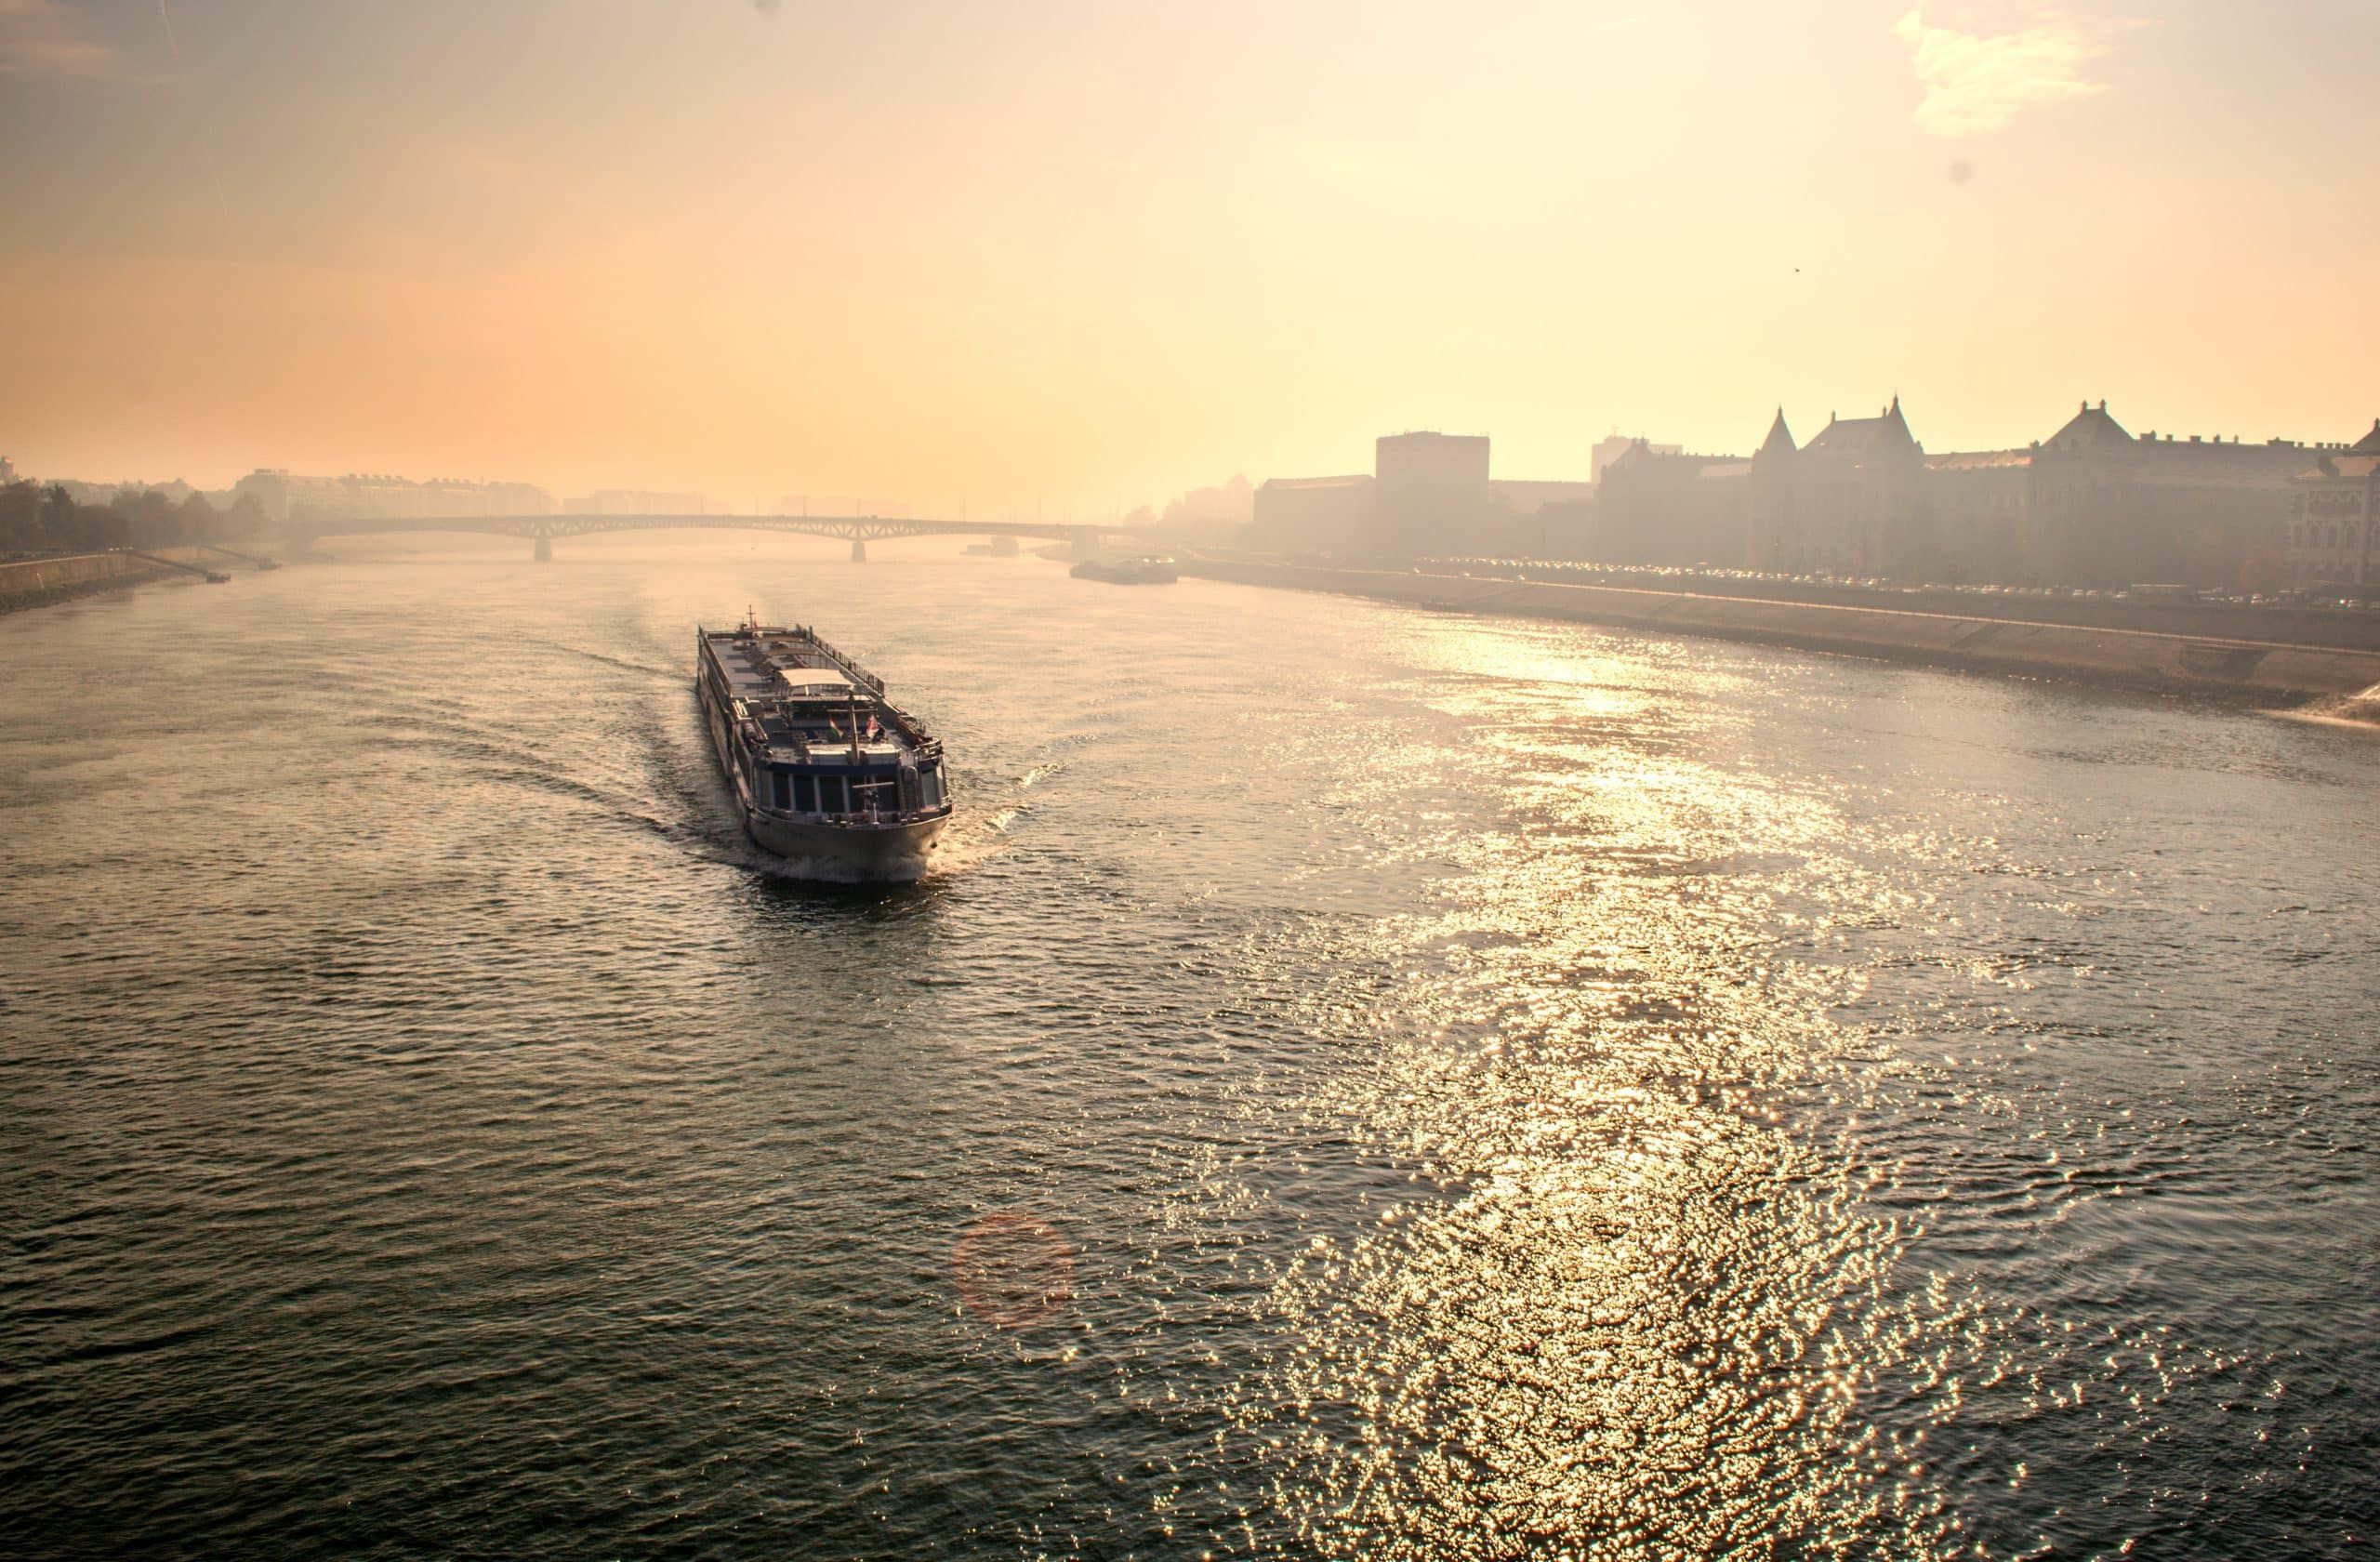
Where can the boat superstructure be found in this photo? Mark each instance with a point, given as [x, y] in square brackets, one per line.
[830, 775]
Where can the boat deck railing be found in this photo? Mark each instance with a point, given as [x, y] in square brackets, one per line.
[758, 642]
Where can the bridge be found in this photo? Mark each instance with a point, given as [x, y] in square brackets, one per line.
[301, 531]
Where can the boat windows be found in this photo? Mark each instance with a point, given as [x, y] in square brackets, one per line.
[777, 782]
[830, 794]
[929, 786]
[805, 794]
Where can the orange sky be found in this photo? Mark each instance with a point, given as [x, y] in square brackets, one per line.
[1084, 255]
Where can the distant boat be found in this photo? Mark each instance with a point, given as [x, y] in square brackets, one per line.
[1150, 569]
[830, 775]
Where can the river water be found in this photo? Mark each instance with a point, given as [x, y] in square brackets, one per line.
[1364, 1083]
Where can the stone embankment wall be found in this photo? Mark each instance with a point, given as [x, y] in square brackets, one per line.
[2133, 657]
[2344, 630]
[32, 582]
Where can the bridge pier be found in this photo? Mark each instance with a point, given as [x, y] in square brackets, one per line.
[859, 550]
[545, 552]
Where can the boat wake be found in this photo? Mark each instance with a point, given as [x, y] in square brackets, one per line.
[2340, 710]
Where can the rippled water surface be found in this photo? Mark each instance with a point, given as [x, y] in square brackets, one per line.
[1365, 1082]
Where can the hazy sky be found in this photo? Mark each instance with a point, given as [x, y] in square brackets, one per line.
[1101, 251]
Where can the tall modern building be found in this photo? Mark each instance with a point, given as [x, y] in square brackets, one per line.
[1429, 492]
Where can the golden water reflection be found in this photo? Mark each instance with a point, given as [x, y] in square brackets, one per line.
[1650, 1315]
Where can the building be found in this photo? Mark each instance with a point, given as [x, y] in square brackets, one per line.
[1429, 494]
[1311, 514]
[1658, 504]
[2106, 509]
[1855, 500]
[1981, 500]
[637, 501]
[2091, 505]
[1541, 519]
[370, 497]
[1524, 498]
[1614, 446]
[1861, 494]
[2334, 515]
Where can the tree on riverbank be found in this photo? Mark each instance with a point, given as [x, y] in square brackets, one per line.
[36, 519]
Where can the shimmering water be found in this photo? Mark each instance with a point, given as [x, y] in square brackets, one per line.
[1366, 1082]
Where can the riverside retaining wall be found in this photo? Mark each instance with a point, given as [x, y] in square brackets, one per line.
[2133, 657]
[2334, 628]
[32, 582]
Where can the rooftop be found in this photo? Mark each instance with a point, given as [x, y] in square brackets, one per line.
[2090, 428]
[1887, 433]
[1977, 460]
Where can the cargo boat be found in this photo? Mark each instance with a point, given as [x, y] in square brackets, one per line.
[1149, 570]
[830, 775]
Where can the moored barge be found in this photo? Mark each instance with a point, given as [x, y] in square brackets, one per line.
[1146, 569]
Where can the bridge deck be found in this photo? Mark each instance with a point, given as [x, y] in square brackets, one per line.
[849, 528]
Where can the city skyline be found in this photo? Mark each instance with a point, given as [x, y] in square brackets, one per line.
[1283, 778]
[1579, 470]
[1061, 258]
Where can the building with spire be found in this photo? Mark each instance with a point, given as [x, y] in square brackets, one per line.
[1854, 496]
[2091, 505]
[1769, 508]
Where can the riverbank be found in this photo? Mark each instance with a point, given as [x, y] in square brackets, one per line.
[26, 583]
[2263, 670]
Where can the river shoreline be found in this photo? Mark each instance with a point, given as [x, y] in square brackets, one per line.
[2234, 669]
[33, 583]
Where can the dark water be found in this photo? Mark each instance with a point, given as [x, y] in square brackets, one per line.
[1367, 1083]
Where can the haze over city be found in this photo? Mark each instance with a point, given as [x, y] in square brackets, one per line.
[1085, 257]
[1436, 782]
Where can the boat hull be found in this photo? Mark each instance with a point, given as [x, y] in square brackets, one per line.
[848, 854]
[1128, 572]
[832, 852]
